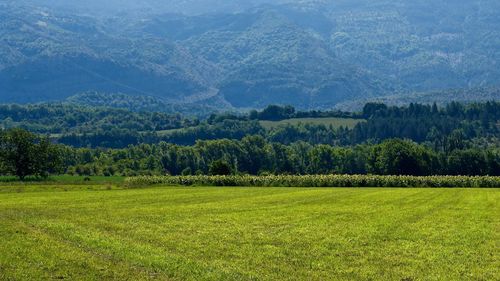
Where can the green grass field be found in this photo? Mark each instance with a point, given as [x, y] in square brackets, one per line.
[334, 122]
[76, 232]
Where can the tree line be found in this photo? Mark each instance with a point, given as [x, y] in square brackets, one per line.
[255, 155]
[23, 154]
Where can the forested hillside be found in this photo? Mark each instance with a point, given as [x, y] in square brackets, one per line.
[50, 55]
[310, 54]
[443, 128]
[67, 118]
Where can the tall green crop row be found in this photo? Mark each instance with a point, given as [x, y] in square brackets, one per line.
[318, 181]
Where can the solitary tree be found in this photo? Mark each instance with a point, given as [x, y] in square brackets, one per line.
[24, 154]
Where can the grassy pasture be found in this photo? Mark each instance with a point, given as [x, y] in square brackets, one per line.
[207, 233]
[331, 121]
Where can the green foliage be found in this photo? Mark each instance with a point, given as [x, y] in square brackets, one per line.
[219, 167]
[400, 157]
[439, 97]
[448, 127]
[58, 119]
[24, 154]
[84, 126]
[334, 122]
[274, 113]
[144, 103]
[318, 181]
[439, 141]
[225, 129]
[255, 155]
[187, 171]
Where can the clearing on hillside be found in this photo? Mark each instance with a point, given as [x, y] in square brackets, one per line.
[330, 121]
[201, 233]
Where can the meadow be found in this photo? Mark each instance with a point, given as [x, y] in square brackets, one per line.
[327, 121]
[103, 232]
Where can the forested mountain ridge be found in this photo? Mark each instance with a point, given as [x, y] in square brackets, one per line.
[311, 54]
[53, 56]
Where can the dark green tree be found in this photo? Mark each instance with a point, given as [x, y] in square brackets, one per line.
[400, 157]
[48, 158]
[17, 152]
[220, 168]
[322, 159]
[24, 154]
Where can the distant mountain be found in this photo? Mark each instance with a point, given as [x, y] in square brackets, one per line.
[51, 57]
[269, 58]
[246, 54]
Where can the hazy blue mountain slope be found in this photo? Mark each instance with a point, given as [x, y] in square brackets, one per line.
[269, 56]
[308, 53]
[425, 44]
[47, 57]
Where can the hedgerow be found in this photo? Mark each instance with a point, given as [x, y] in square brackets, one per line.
[318, 181]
